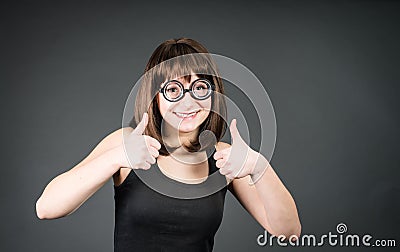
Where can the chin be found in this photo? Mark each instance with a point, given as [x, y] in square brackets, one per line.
[187, 129]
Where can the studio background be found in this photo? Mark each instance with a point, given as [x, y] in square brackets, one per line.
[331, 69]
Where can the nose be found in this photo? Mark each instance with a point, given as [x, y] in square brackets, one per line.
[187, 98]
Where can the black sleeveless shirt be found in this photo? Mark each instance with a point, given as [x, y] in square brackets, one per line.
[154, 212]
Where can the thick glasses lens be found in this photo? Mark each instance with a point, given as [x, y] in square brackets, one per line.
[173, 90]
[201, 88]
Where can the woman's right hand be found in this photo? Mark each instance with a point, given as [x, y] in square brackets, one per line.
[69, 190]
[137, 151]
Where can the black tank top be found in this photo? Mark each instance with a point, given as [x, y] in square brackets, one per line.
[148, 220]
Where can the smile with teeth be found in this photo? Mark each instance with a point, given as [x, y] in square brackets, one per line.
[187, 115]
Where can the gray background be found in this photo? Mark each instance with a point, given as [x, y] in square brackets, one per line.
[331, 70]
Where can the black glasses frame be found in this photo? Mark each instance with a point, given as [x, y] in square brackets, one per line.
[183, 90]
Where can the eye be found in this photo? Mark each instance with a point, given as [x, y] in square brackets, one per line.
[172, 89]
[200, 87]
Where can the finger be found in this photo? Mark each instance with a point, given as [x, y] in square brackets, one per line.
[222, 153]
[146, 166]
[153, 152]
[142, 165]
[220, 163]
[230, 177]
[224, 171]
[218, 155]
[153, 142]
[142, 125]
[151, 160]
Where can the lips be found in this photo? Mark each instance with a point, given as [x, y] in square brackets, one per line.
[190, 114]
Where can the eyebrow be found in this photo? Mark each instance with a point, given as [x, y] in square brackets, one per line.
[190, 82]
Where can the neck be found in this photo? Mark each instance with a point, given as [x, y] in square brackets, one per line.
[175, 138]
[184, 166]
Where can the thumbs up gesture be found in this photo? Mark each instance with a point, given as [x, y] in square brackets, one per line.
[239, 160]
[141, 150]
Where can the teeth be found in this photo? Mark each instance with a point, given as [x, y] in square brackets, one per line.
[185, 115]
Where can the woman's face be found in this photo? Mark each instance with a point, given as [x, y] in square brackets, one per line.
[176, 113]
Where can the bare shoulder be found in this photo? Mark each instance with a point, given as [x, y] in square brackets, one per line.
[110, 141]
[222, 145]
[116, 136]
[113, 139]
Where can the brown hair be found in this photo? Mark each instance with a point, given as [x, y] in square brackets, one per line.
[159, 68]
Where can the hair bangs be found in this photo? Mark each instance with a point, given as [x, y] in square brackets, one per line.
[182, 67]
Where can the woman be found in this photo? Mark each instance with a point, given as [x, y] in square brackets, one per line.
[163, 141]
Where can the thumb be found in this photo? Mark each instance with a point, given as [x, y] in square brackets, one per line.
[234, 131]
[142, 125]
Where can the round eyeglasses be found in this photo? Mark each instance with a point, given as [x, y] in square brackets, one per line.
[199, 89]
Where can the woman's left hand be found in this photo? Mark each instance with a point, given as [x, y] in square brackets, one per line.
[239, 160]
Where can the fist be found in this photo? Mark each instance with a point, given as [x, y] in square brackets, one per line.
[239, 160]
[141, 150]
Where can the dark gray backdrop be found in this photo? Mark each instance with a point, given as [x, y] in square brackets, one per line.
[331, 70]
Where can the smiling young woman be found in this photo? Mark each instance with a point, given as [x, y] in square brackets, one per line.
[175, 104]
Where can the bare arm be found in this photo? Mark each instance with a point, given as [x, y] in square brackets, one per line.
[279, 205]
[268, 200]
[69, 190]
